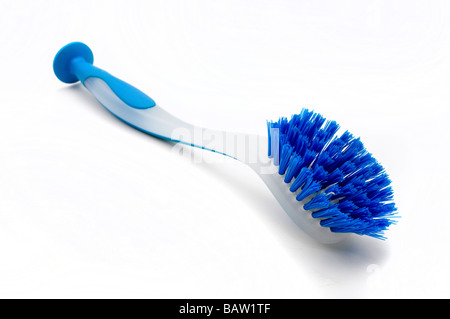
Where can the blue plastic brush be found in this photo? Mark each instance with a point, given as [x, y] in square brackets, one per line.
[328, 184]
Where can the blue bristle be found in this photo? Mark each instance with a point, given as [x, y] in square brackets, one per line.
[347, 206]
[308, 189]
[319, 173]
[324, 160]
[334, 177]
[383, 210]
[300, 144]
[326, 212]
[319, 201]
[348, 189]
[269, 150]
[286, 153]
[308, 157]
[322, 200]
[276, 140]
[303, 177]
[295, 165]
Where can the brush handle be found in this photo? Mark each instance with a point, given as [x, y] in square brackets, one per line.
[73, 63]
[160, 123]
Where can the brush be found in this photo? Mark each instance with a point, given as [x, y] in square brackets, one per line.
[328, 183]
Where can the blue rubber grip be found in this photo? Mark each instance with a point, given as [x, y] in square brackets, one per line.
[124, 91]
[73, 63]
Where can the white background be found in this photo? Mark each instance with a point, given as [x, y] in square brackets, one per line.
[91, 208]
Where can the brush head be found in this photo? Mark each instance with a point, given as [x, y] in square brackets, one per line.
[334, 178]
[61, 63]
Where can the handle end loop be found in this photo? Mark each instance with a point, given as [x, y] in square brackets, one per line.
[62, 64]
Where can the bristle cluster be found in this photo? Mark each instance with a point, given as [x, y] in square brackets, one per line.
[334, 178]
